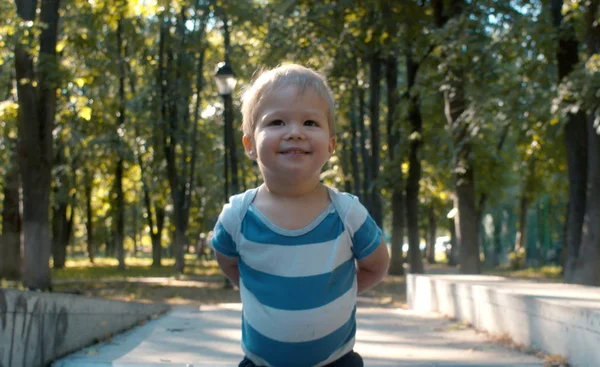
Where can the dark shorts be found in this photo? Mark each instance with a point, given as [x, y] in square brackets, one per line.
[351, 359]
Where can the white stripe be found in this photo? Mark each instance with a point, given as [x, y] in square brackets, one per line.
[229, 220]
[296, 261]
[298, 326]
[357, 214]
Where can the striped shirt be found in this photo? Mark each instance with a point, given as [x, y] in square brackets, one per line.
[298, 287]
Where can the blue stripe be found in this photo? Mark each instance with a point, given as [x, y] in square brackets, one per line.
[298, 293]
[366, 239]
[223, 242]
[253, 229]
[303, 354]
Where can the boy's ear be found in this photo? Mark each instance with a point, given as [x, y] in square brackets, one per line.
[249, 147]
[331, 147]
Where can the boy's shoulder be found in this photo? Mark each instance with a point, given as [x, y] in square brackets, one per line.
[238, 204]
[344, 195]
[343, 201]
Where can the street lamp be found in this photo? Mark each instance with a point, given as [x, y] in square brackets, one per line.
[226, 81]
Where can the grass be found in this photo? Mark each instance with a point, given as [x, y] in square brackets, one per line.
[107, 268]
[543, 273]
[548, 272]
[203, 283]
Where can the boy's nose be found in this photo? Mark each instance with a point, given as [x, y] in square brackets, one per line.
[295, 132]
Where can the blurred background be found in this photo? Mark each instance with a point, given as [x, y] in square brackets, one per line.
[468, 128]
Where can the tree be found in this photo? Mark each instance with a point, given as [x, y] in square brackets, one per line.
[179, 129]
[119, 210]
[133, 98]
[414, 117]
[587, 268]
[393, 135]
[10, 237]
[448, 16]
[567, 57]
[36, 89]
[63, 199]
[577, 105]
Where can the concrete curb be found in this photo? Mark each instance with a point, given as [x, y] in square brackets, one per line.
[210, 337]
[555, 318]
[36, 328]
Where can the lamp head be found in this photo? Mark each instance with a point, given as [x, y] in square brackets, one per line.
[225, 78]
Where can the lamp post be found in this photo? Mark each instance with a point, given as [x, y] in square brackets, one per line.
[226, 81]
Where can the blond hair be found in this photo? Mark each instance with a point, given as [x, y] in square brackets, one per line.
[279, 77]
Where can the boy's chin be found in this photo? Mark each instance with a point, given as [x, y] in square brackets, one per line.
[295, 177]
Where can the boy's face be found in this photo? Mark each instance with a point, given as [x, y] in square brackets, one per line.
[291, 139]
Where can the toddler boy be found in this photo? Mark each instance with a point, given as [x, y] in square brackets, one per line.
[299, 251]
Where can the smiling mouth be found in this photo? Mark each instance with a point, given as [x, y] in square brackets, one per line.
[294, 152]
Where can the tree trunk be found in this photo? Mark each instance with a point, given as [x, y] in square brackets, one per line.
[180, 241]
[521, 243]
[228, 116]
[454, 105]
[232, 144]
[134, 215]
[157, 237]
[10, 239]
[354, 144]
[37, 106]
[414, 251]
[468, 228]
[345, 161]
[393, 135]
[453, 253]
[432, 236]
[177, 137]
[120, 200]
[587, 268]
[108, 247]
[89, 223]
[106, 231]
[497, 240]
[397, 260]
[413, 180]
[525, 201]
[366, 161]
[60, 232]
[576, 141]
[155, 232]
[119, 220]
[374, 87]
[59, 210]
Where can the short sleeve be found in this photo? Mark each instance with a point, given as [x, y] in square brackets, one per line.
[223, 239]
[365, 234]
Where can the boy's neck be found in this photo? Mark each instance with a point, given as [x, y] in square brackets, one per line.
[305, 204]
[296, 191]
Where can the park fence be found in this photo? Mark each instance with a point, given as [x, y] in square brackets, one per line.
[545, 233]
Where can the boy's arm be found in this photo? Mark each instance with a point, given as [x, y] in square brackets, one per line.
[229, 266]
[373, 268]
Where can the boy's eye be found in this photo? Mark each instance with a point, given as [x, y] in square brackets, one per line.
[310, 123]
[276, 123]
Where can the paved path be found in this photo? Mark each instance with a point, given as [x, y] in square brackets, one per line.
[386, 337]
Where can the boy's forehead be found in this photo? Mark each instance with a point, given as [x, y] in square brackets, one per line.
[270, 95]
[279, 100]
[292, 92]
